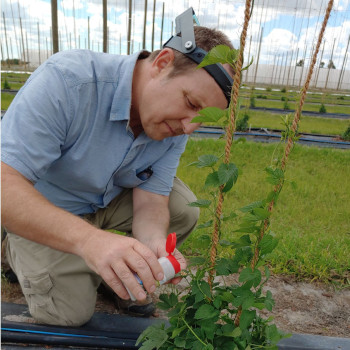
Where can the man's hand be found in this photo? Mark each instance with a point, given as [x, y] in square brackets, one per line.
[115, 258]
[157, 245]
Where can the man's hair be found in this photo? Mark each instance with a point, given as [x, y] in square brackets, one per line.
[206, 39]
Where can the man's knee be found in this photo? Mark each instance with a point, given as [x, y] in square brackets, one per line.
[59, 310]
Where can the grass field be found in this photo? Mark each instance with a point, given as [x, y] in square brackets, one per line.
[311, 220]
[311, 125]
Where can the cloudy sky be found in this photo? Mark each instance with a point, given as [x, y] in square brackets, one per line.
[288, 28]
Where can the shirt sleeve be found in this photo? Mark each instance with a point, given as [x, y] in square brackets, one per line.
[164, 170]
[35, 126]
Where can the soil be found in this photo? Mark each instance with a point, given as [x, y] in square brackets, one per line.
[300, 307]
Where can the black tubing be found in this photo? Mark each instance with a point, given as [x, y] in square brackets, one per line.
[95, 342]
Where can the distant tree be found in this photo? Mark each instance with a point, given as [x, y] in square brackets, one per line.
[331, 65]
[322, 64]
[300, 63]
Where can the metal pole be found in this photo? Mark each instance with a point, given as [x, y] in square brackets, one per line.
[88, 32]
[7, 46]
[342, 76]
[27, 50]
[161, 31]
[331, 60]
[39, 42]
[250, 44]
[47, 48]
[24, 52]
[14, 29]
[279, 75]
[273, 68]
[104, 6]
[54, 25]
[129, 26]
[257, 62]
[75, 29]
[154, 15]
[318, 70]
[144, 26]
[285, 67]
[343, 65]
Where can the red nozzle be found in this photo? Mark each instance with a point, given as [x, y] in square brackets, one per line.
[170, 243]
[170, 247]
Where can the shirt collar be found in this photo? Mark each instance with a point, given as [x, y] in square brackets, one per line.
[120, 109]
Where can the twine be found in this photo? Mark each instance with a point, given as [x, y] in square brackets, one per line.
[290, 143]
[229, 137]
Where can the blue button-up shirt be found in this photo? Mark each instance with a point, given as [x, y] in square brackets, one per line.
[67, 131]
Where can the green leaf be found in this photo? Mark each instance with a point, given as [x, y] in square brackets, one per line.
[229, 330]
[246, 319]
[251, 206]
[269, 302]
[204, 225]
[202, 242]
[219, 54]
[200, 203]
[167, 301]
[206, 160]
[180, 342]
[205, 311]
[261, 213]
[267, 244]
[225, 267]
[197, 260]
[273, 334]
[210, 115]
[177, 331]
[152, 337]
[250, 63]
[213, 179]
[275, 175]
[229, 217]
[248, 274]
[227, 172]
[243, 241]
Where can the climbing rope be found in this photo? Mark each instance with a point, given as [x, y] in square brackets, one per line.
[229, 135]
[231, 129]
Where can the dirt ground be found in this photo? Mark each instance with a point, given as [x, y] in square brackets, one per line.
[299, 307]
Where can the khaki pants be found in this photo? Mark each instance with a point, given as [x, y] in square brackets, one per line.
[60, 289]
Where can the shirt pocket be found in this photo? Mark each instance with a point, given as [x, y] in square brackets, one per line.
[131, 178]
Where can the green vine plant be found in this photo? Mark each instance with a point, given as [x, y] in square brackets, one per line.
[211, 313]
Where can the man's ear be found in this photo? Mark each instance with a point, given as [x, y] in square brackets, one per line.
[163, 60]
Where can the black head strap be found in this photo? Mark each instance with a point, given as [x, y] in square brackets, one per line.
[184, 41]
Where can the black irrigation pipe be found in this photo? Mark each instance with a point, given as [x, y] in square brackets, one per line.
[322, 140]
[36, 334]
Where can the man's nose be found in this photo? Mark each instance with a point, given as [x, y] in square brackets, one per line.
[189, 127]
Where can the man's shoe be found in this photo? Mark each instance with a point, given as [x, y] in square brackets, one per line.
[134, 308]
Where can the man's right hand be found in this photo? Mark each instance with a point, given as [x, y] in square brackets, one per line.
[115, 258]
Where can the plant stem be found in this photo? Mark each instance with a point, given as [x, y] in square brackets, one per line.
[192, 331]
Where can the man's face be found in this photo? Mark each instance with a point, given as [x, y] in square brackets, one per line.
[168, 105]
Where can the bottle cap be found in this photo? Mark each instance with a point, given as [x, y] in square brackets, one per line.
[170, 247]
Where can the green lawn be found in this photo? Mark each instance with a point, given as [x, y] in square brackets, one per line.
[292, 105]
[312, 125]
[6, 100]
[311, 220]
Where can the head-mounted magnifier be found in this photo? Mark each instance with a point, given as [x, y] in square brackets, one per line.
[184, 41]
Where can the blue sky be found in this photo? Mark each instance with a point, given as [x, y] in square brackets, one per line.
[289, 26]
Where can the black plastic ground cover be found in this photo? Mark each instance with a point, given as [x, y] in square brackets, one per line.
[103, 331]
[119, 332]
[265, 135]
